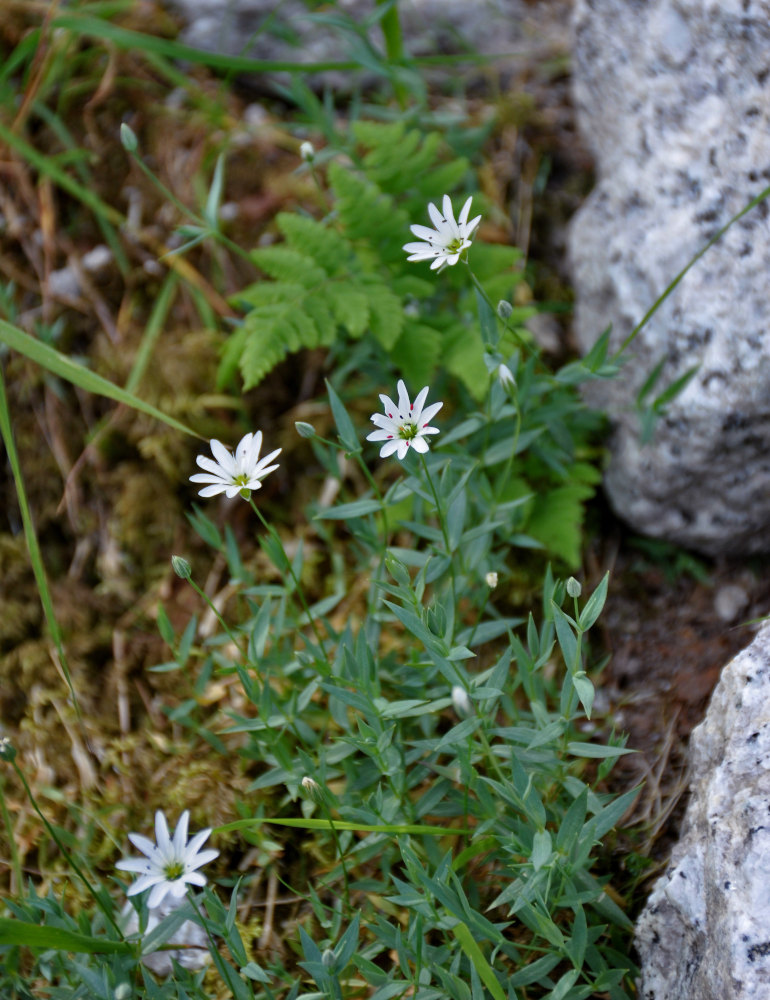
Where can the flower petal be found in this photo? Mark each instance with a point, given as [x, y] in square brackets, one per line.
[143, 844]
[223, 457]
[404, 406]
[389, 447]
[212, 491]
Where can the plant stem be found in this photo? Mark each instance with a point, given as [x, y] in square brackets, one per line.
[70, 860]
[297, 585]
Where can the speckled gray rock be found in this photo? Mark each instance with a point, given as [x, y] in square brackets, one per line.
[263, 29]
[673, 96]
[705, 931]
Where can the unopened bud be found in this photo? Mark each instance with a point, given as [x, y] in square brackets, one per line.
[491, 579]
[573, 587]
[461, 701]
[128, 138]
[7, 750]
[504, 309]
[506, 376]
[303, 429]
[307, 151]
[181, 567]
[123, 991]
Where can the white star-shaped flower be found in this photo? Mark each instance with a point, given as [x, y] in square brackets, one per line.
[404, 425]
[170, 864]
[444, 244]
[234, 474]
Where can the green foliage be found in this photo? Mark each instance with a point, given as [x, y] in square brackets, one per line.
[346, 277]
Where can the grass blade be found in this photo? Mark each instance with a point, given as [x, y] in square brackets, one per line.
[50, 359]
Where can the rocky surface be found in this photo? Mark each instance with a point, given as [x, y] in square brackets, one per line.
[704, 932]
[673, 97]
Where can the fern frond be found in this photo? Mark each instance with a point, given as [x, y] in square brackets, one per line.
[366, 213]
[268, 293]
[265, 344]
[463, 356]
[433, 181]
[557, 520]
[349, 306]
[417, 353]
[314, 239]
[386, 314]
[286, 264]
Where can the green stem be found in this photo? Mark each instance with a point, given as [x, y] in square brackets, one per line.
[445, 533]
[297, 585]
[70, 860]
[15, 862]
[204, 596]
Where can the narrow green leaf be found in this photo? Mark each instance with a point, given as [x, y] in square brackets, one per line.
[596, 750]
[345, 511]
[480, 964]
[345, 427]
[594, 604]
[50, 359]
[33, 546]
[566, 637]
[34, 936]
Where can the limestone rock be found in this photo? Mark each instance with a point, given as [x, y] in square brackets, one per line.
[705, 931]
[673, 96]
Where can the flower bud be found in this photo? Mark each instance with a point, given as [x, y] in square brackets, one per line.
[506, 376]
[573, 587]
[181, 567]
[128, 138]
[504, 309]
[461, 701]
[303, 429]
[491, 579]
[7, 750]
[307, 152]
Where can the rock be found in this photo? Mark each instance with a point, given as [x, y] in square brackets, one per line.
[705, 931]
[673, 97]
[262, 29]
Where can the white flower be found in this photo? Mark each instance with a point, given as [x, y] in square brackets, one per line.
[445, 243]
[461, 700]
[491, 579]
[169, 864]
[193, 952]
[234, 474]
[404, 425]
[307, 151]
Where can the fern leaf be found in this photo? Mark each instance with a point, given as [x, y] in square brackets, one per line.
[386, 315]
[307, 236]
[378, 134]
[349, 306]
[463, 356]
[264, 347]
[433, 181]
[557, 520]
[268, 293]
[417, 353]
[285, 264]
[364, 210]
[321, 315]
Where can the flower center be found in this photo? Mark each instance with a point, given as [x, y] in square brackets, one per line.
[241, 479]
[407, 431]
[455, 245]
[173, 870]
